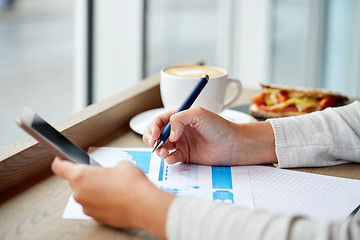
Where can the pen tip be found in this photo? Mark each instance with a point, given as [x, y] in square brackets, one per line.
[158, 143]
[155, 145]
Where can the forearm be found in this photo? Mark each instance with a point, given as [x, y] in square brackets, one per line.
[254, 143]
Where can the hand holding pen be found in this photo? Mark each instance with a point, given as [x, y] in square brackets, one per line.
[185, 105]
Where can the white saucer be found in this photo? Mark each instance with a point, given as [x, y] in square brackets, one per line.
[139, 122]
[237, 116]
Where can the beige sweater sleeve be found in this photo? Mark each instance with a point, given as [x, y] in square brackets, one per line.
[318, 139]
[326, 138]
[191, 218]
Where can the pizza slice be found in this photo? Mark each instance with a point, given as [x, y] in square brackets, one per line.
[283, 101]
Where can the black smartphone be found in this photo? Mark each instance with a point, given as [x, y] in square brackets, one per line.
[51, 138]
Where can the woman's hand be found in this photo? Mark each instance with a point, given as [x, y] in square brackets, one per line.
[197, 136]
[203, 137]
[121, 197]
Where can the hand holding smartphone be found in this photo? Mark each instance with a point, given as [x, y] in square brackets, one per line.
[51, 138]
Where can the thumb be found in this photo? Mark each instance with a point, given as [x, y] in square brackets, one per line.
[65, 169]
[191, 117]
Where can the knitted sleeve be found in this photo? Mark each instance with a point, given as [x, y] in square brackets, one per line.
[325, 138]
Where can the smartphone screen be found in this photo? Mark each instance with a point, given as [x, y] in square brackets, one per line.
[50, 137]
[60, 141]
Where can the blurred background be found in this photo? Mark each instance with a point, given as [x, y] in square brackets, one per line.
[58, 56]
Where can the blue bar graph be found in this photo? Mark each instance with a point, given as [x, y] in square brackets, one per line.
[221, 177]
[161, 171]
[142, 159]
[223, 196]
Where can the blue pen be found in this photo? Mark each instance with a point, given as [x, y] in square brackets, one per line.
[185, 105]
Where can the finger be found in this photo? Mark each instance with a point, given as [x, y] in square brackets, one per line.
[159, 123]
[163, 118]
[174, 157]
[163, 153]
[65, 169]
[146, 137]
[153, 131]
[169, 145]
[184, 118]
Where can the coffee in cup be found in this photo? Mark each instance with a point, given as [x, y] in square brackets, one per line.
[177, 82]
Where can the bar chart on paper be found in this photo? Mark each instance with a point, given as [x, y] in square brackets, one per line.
[110, 157]
[229, 185]
[222, 181]
[256, 187]
[188, 174]
[225, 184]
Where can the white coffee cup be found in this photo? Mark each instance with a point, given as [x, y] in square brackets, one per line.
[177, 82]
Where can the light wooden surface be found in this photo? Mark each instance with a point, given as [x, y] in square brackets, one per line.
[33, 210]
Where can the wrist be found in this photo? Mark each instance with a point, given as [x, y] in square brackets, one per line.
[151, 210]
[255, 144]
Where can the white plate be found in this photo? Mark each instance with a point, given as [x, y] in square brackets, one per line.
[237, 116]
[139, 122]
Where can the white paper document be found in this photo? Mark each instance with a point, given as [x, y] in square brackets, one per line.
[256, 187]
[298, 193]
[229, 185]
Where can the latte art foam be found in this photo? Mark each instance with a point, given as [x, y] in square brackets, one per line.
[195, 71]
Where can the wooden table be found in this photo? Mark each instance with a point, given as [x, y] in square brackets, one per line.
[33, 199]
